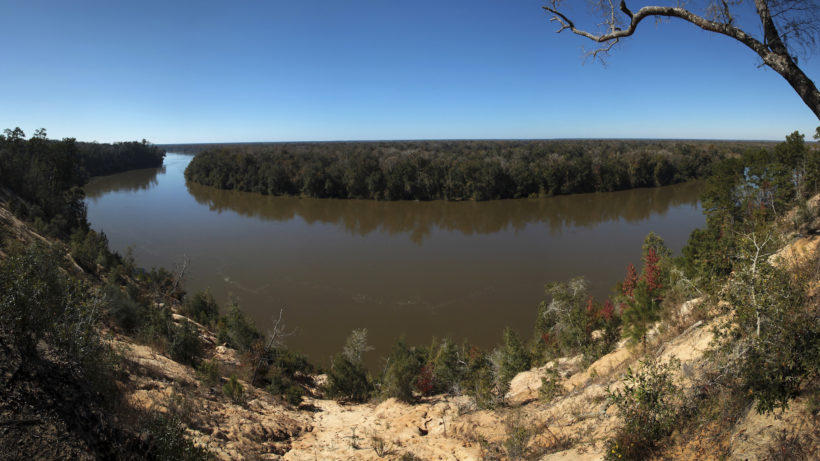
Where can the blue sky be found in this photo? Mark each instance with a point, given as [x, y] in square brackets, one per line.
[225, 71]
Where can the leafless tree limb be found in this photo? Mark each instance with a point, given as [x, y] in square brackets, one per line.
[786, 25]
[275, 338]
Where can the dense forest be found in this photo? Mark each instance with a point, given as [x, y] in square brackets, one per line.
[103, 159]
[47, 175]
[453, 170]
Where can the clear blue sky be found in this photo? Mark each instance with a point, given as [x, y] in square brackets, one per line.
[223, 71]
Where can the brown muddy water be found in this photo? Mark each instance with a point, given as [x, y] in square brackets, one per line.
[419, 269]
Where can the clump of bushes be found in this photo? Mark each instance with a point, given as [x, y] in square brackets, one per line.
[208, 372]
[180, 341]
[402, 372]
[234, 390]
[235, 330]
[123, 310]
[574, 323]
[649, 405]
[514, 359]
[550, 386]
[347, 377]
[201, 307]
[35, 293]
[167, 440]
[285, 373]
[90, 249]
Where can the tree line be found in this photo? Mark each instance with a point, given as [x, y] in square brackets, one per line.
[46, 176]
[104, 159]
[453, 170]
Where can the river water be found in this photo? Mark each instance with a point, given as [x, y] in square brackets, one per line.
[419, 269]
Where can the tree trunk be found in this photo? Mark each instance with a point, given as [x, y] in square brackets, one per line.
[802, 84]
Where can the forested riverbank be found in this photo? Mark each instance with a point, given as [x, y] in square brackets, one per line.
[454, 170]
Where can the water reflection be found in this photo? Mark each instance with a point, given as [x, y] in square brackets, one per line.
[418, 219]
[131, 181]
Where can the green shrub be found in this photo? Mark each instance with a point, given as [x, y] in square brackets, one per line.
[774, 325]
[183, 343]
[90, 249]
[348, 380]
[565, 325]
[236, 331]
[479, 378]
[201, 307]
[550, 386]
[518, 436]
[234, 391]
[123, 310]
[32, 294]
[514, 359]
[283, 384]
[293, 395]
[167, 441]
[180, 342]
[447, 370]
[208, 372]
[400, 376]
[649, 405]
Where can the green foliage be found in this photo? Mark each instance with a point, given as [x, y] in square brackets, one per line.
[445, 366]
[47, 178]
[126, 313]
[104, 159]
[401, 372]
[566, 324]
[281, 377]
[167, 441]
[707, 255]
[347, 378]
[514, 359]
[33, 294]
[773, 335]
[649, 405]
[236, 330]
[208, 372]
[518, 434]
[479, 379]
[162, 284]
[642, 297]
[90, 250]
[180, 341]
[449, 170]
[642, 311]
[201, 307]
[550, 386]
[234, 390]
[281, 371]
[183, 343]
[38, 301]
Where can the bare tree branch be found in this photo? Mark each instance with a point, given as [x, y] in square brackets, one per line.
[275, 338]
[799, 20]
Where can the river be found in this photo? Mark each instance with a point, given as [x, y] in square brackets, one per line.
[419, 269]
